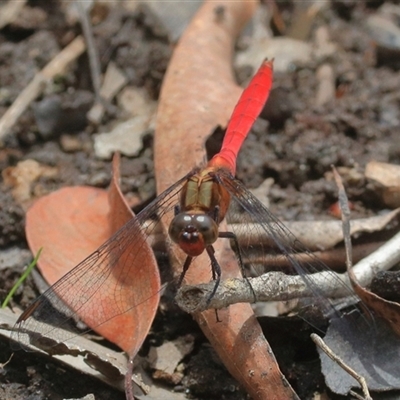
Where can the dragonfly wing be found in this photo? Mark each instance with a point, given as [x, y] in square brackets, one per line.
[273, 237]
[99, 289]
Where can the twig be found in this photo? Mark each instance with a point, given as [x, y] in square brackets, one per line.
[278, 286]
[113, 81]
[360, 379]
[382, 259]
[328, 237]
[75, 353]
[56, 66]
[273, 286]
[10, 11]
[333, 258]
[2, 365]
[345, 211]
[91, 47]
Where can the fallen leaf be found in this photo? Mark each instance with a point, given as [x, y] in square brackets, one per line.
[372, 351]
[198, 94]
[72, 223]
[167, 356]
[52, 223]
[75, 352]
[364, 340]
[386, 309]
[387, 285]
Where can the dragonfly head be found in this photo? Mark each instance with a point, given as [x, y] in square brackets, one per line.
[193, 232]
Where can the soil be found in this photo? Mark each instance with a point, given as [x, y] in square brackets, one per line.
[296, 148]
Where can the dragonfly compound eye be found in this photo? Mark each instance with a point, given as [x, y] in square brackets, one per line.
[207, 227]
[178, 225]
[193, 228]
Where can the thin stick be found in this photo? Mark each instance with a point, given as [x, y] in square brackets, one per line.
[325, 348]
[278, 286]
[56, 66]
[91, 47]
[9, 11]
[2, 365]
[345, 211]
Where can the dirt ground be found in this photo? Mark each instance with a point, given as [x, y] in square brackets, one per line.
[296, 148]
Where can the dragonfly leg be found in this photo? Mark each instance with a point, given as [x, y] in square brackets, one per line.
[236, 249]
[233, 237]
[216, 271]
[186, 266]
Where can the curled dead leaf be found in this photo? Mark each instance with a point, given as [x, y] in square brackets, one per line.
[386, 309]
[198, 94]
[363, 340]
[72, 223]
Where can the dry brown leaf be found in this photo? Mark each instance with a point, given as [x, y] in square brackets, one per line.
[366, 345]
[72, 223]
[198, 94]
[386, 309]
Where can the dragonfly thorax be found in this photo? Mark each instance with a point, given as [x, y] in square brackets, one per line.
[193, 232]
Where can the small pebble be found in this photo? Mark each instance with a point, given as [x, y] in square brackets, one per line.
[70, 143]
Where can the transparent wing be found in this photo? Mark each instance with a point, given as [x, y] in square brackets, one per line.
[94, 282]
[261, 235]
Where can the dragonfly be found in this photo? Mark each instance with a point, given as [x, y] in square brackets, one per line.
[197, 203]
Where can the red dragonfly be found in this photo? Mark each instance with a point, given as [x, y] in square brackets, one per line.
[200, 200]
